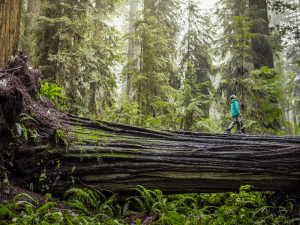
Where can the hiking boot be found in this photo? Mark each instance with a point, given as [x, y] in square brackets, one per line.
[228, 131]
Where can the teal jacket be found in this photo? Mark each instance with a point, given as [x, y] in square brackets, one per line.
[235, 107]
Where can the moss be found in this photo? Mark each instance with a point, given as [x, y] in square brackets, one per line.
[101, 155]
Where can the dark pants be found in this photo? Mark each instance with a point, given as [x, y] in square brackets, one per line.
[235, 121]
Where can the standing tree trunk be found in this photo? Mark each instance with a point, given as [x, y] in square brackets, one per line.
[9, 29]
[133, 47]
[287, 114]
[34, 7]
[295, 118]
[92, 104]
[97, 92]
[261, 44]
[49, 44]
[189, 116]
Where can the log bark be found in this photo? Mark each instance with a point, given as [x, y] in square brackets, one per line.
[118, 157]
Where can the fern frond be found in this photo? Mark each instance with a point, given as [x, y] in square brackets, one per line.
[140, 203]
[125, 208]
[78, 205]
[78, 194]
[108, 208]
[5, 211]
[45, 208]
[54, 217]
[23, 195]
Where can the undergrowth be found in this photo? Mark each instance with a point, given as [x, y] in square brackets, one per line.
[91, 206]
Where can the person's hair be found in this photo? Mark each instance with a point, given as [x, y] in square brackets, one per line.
[233, 97]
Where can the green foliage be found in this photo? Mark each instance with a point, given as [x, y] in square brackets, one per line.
[50, 91]
[24, 212]
[297, 62]
[239, 47]
[173, 111]
[93, 202]
[155, 64]
[242, 36]
[261, 111]
[75, 47]
[19, 129]
[195, 101]
[245, 207]
[73, 179]
[92, 207]
[26, 117]
[196, 65]
[125, 112]
[62, 135]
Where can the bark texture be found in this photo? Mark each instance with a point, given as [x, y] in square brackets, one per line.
[261, 46]
[9, 29]
[118, 157]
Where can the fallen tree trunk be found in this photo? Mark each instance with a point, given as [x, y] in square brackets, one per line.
[118, 157]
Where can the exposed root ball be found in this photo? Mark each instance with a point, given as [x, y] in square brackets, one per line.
[18, 102]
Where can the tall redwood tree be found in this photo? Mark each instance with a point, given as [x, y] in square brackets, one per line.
[9, 29]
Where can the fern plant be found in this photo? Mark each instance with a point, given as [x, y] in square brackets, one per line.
[50, 91]
[93, 202]
[149, 197]
[25, 210]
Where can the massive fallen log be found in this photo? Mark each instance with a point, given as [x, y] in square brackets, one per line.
[117, 157]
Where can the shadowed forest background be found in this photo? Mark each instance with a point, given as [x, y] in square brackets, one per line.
[171, 64]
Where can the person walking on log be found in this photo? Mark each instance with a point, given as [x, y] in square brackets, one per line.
[235, 114]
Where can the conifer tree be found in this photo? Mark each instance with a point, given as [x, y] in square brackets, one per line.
[47, 40]
[69, 54]
[101, 92]
[28, 20]
[195, 48]
[291, 66]
[288, 27]
[229, 70]
[262, 54]
[237, 79]
[151, 78]
[133, 47]
[168, 13]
